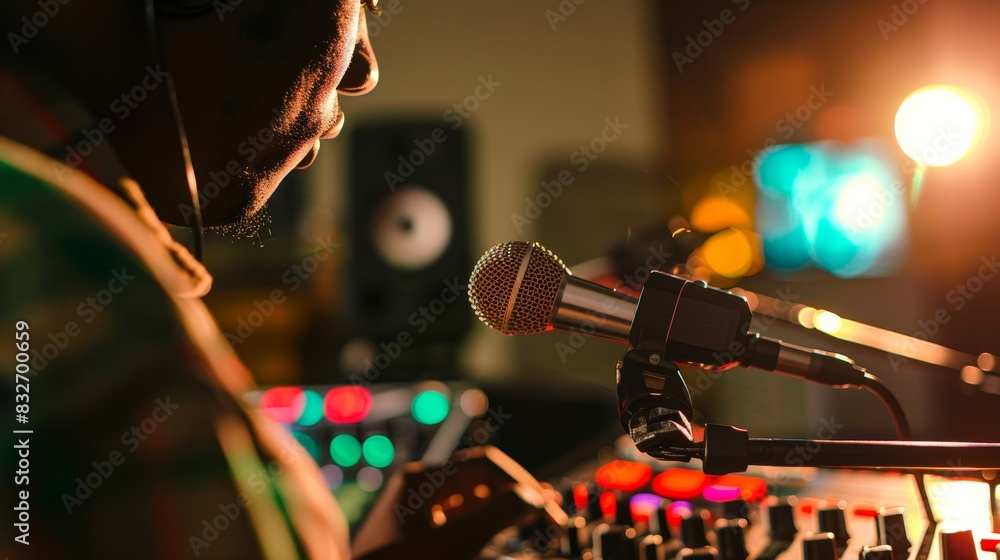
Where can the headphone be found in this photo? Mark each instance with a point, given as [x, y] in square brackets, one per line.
[179, 8]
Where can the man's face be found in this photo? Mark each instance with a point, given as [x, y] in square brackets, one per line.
[257, 84]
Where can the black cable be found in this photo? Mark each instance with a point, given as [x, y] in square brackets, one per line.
[156, 37]
[875, 386]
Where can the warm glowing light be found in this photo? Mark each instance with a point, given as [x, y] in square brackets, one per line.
[951, 503]
[643, 506]
[806, 316]
[972, 375]
[729, 253]
[473, 402]
[721, 493]
[750, 489]
[608, 503]
[580, 496]
[714, 213]
[677, 511]
[987, 361]
[348, 404]
[827, 321]
[678, 483]
[938, 124]
[623, 475]
[283, 404]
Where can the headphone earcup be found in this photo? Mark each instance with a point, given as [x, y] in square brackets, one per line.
[184, 8]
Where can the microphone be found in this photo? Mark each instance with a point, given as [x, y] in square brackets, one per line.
[520, 287]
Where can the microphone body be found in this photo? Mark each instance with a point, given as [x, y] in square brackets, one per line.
[513, 289]
[593, 310]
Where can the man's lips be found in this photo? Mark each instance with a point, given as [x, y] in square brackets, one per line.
[332, 132]
[338, 125]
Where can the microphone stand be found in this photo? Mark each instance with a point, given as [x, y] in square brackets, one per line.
[727, 449]
[682, 321]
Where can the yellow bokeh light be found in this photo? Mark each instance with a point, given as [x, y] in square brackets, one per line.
[937, 125]
[827, 322]
[714, 213]
[729, 253]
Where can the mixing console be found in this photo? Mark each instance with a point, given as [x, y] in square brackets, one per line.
[627, 506]
[635, 509]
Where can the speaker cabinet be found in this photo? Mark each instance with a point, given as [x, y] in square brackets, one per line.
[408, 227]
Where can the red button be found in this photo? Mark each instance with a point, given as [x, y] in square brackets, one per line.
[623, 475]
[866, 510]
[990, 542]
[677, 483]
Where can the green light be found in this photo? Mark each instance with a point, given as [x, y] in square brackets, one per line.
[345, 450]
[312, 412]
[309, 444]
[430, 407]
[379, 451]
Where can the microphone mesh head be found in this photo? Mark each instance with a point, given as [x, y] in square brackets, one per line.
[514, 286]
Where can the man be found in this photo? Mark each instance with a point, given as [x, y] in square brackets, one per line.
[133, 442]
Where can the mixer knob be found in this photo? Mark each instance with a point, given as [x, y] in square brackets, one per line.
[649, 547]
[614, 542]
[623, 511]
[832, 520]
[701, 553]
[693, 531]
[594, 512]
[821, 546]
[880, 552]
[780, 514]
[566, 492]
[958, 545]
[736, 509]
[892, 531]
[729, 533]
[658, 524]
[570, 542]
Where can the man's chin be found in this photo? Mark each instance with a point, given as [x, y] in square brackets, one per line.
[252, 223]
